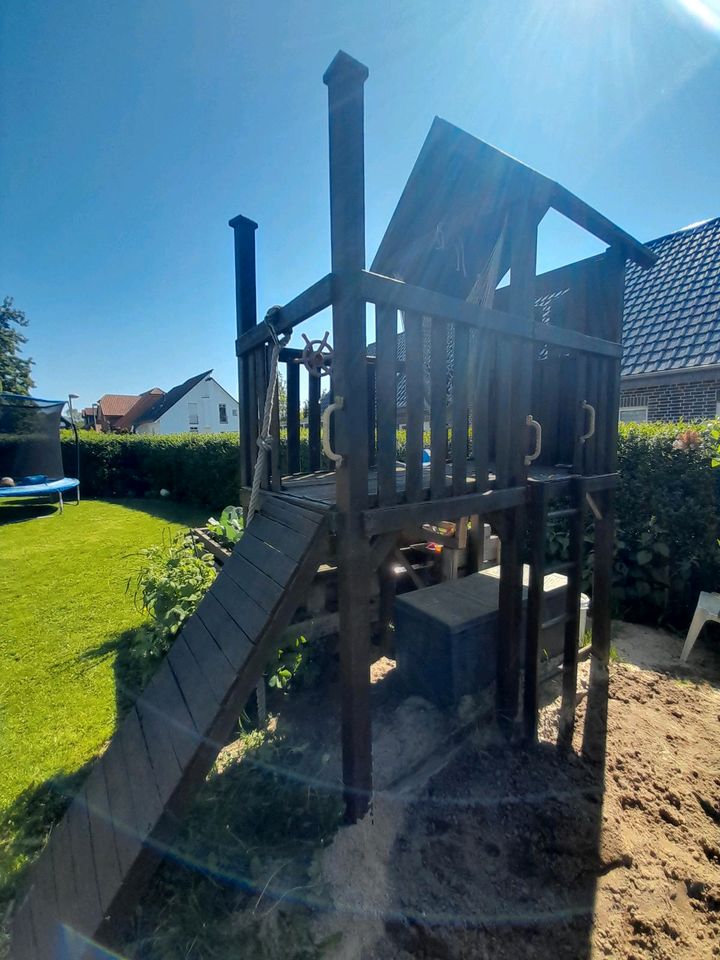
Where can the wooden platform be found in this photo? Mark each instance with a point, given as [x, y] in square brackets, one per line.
[319, 487]
[103, 851]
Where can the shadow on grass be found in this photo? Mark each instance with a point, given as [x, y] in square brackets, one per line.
[169, 510]
[18, 511]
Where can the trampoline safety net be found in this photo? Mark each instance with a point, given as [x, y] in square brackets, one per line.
[30, 437]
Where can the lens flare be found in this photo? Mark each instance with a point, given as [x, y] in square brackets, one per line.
[706, 11]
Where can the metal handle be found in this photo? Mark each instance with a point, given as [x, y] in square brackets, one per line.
[337, 404]
[591, 421]
[538, 440]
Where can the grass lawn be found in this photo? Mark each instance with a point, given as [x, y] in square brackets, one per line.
[66, 618]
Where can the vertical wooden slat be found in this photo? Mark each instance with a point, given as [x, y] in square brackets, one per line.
[535, 607]
[484, 355]
[293, 417]
[314, 422]
[438, 406]
[386, 390]
[579, 427]
[415, 404]
[503, 410]
[261, 392]
[509, 619]
[345, 79]
[371, 412]
[460, 410]
[572, 613]
[252, 412]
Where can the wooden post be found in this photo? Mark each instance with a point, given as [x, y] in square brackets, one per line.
[345, 78]
[246, 313]
[523, 252]
[535, 607]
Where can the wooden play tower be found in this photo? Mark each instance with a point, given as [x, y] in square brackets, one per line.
[517, 387]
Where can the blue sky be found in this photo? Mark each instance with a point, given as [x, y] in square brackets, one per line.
[130, 132]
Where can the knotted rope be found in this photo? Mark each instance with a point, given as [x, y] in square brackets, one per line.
[264, 440]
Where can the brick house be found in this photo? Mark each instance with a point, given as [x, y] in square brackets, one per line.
[671, 329]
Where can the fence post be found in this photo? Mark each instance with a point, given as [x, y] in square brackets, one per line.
[246, 313]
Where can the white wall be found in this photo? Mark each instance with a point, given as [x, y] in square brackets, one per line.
[204, 402]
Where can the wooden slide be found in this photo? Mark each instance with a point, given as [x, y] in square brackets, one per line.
[102, 853]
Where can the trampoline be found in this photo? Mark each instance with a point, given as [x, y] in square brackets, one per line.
[30, 453]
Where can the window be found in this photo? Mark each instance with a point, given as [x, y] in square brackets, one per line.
[234, 409]
[193, 429]
[633, 414]
[193, 418]
[222, 410]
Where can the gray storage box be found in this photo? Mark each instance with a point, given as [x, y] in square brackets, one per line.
[446, 635]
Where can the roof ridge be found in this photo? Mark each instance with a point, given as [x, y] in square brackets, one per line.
[690, 228]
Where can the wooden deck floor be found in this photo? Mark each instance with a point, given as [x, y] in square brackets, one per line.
[320, 486]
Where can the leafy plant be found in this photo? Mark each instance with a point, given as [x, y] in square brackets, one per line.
[289, 661]
[169, 585]
[229, 528]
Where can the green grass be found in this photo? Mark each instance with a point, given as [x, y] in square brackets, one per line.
[67, 617]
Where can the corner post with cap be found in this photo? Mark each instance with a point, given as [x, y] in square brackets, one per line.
[246, 314]
[345, 79]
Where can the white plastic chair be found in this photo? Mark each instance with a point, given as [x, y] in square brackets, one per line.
[708, 608]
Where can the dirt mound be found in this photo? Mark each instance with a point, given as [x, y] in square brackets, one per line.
[530, 854]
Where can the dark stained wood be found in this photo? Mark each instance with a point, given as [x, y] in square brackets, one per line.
[438, 406]
[163, 698]
[260, 587]
[87, 911]
[44, 910]
[581, 417]
[345, 78]
[509, 617]
[311, 301]
[231, 639]
[102, 830]
[211, 661]
[261, 382]
[270, 561]
[484, 358]
[24, 946]
[459, 419]
[576, 524]
[247, 614]
[125, 823]
[503, 413]
[572, 340]
[293, 417]
[537, 521]
[275, 465]
[246, 313]
[197, 692]
[371, 414]
[303, 522]
[288, 542]
[156, 730]
[314, 448]
[415, 389]
[386, 390]
[448, 508]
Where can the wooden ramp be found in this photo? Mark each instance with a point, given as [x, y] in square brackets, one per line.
[104, 850]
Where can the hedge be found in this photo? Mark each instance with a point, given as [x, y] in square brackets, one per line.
[668, 502]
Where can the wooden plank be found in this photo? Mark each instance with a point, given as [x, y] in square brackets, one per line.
[253, 416]
[65, 885]
[409, 298]
[24, 946]
[399, 517]
[484, 356]
[156, 730]
[345, 78]
[231, 639]
[574, 340]
[576, 526]
[460, 410]
[122, 811]
[303, 522]
[315, 299]
[43, 905]
[211, 661]
[107, 866]
[314, 423]
[247, 614]
[371, 414]
[261, 382]
[266, 558]
[197, 692]
[147, 802]
[503, 411]
[509, 619]
[293, 417]
[415, 394]
[88, 911]
[288, 542]
[535, 607]
[579, 425]
[164, 698]
[265, 591]
[438, 406]
[246, 318]
[386, 389]
[523, 256]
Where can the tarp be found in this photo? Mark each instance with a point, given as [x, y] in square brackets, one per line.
[30, 437]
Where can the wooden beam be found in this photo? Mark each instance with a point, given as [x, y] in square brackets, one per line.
[345, 79]
[572, 340]
[316, 298]
[246, 314]
[405, 515]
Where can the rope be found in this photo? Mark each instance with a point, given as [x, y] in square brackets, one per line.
[264, 440]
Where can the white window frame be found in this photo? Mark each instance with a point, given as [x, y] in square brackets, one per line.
[222, 413]
[639, 414]
[193, 413]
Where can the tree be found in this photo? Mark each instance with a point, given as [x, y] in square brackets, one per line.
[14, 370]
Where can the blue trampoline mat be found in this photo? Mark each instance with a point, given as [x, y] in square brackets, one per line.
[40, 489]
